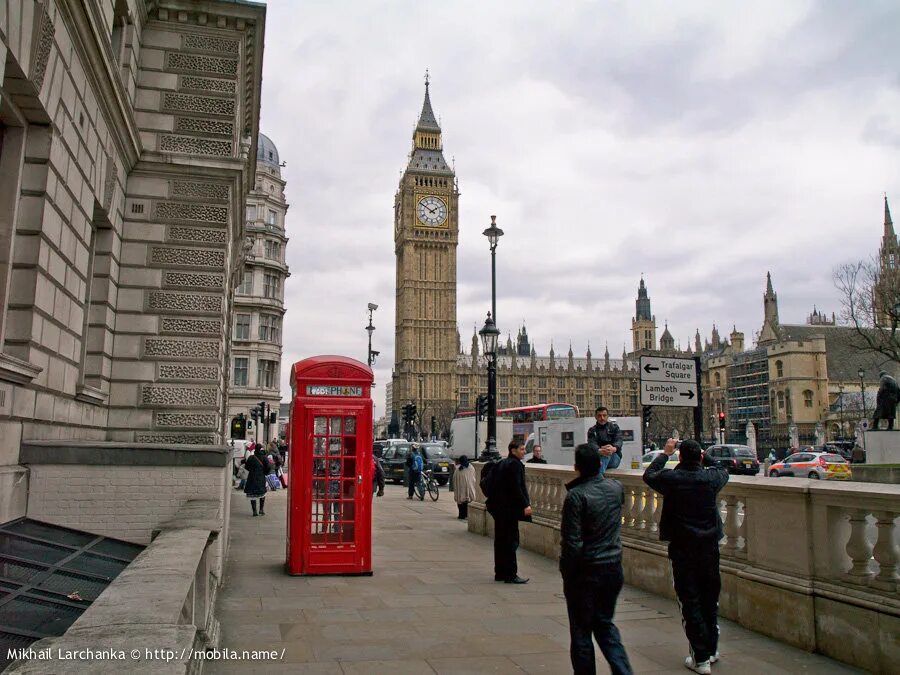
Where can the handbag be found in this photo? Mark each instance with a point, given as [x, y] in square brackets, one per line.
[273, 482]
[282, 476]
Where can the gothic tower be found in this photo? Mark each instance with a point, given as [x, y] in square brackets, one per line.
[885, 290]
[426, 233]
[643, 325]
[769, 332]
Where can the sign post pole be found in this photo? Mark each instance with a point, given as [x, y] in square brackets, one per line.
[698, 411]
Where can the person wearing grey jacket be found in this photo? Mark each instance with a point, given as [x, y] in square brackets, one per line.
[591, 563]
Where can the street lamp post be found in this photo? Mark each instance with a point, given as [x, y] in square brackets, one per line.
[421, 407]
[493, 233]
[841, 402]
[370, 329]
[489, 334]
[862, 387]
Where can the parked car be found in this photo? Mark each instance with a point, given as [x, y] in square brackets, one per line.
[671, 463]
[438, 460]
[739, 459]
[815, 465]
[393, 459]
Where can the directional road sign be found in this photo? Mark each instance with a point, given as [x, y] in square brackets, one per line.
[668, 382]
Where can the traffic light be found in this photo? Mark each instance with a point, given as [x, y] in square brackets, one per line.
[407, 415]
[481, 404]
[254, 414]
[648, 415]
[262, 411]
[238, 426]
[273, 417]
[722, 420]
[412, 412]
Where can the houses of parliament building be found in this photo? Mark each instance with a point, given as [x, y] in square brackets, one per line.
[789, 384]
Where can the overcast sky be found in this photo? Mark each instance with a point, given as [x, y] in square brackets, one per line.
[700, 144]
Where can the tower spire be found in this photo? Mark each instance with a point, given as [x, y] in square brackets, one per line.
[428, 120]
[888, 223]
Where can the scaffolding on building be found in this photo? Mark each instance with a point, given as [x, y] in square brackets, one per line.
[748, 396]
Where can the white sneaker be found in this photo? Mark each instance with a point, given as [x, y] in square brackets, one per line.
[715, 657]
[702, 667]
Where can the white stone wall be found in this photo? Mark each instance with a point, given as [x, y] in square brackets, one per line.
[125, 502]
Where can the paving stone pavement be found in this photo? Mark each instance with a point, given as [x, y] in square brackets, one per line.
[432, 606]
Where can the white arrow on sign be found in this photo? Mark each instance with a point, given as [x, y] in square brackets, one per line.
[669, 394]
[664, 369]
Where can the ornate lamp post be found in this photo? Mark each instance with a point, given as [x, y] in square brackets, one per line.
[493, 233]
[862, 387]
[370, 329]
[489, 335]
[841, 400]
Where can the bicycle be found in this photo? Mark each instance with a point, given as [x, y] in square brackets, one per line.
[427, 482]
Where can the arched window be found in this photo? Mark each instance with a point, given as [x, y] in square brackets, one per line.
[718, 380]
[807, 399]
[787, 401]
[781, 400]
[779, 369]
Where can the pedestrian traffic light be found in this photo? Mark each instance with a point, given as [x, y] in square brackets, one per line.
[722, 420]
[648, 415]
[482, 406]
[238, 426]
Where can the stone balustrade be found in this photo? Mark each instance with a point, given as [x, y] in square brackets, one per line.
[815, 564]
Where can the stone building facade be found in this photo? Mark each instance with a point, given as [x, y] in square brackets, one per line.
[127, 151]
[259, 299]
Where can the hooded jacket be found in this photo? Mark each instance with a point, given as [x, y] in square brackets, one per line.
[590, 526]
[690, 511]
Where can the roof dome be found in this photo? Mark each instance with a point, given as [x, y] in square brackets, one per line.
[266, 151]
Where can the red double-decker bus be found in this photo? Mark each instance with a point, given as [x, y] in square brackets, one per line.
[524, 417]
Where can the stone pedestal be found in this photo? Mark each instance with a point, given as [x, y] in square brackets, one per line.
[882, 447]
[751, 436]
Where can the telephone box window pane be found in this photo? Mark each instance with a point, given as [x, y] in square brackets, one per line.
[350, 446]
[349, 533]
[349, 489]
[349, 511]
[319, 446]
[318, 488]
[349, 468]
[334, 467]
[334, 488]
[334, 446]
[318, 467]
[349, 425]
[320, 425]
[336, 426]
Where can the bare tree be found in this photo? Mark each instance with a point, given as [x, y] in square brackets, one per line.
[870, 303]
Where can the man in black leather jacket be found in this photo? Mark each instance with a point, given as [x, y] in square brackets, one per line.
[690, 522]
[606, 438]
[591, 563]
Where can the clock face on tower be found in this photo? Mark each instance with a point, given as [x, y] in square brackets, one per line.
[432, 211]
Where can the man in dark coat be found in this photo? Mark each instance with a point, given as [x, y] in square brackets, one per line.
[690, 522]
[605, 437]
[886, 400]
[537, 456]
[591, 563]
[508, 505]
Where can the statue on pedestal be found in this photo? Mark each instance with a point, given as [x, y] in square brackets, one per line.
[751, 436]
[794, 435]
[886, 401]
[820, 435]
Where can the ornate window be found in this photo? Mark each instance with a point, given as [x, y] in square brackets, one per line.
[579, 401]
[718, 380]
[273, 250]
[807, 399]
[240, 371]
[269, 328]
[251, 213]
[242, 327]
[463, 380]
[779, 369]
[542, 382]
[523, 399]
[616, 403]
[579, 383]
[246, 285]
[560, 383]
[464, 400]
[271, 286]
[781, 400]
[266, 373]
[271, 218]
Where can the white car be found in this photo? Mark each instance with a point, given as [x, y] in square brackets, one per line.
[238, 449]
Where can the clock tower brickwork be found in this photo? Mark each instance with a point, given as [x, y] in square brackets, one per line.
[426, 234]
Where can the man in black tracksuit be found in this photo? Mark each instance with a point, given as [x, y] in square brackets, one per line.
[591, 564]
[508, 505]
[690, 522]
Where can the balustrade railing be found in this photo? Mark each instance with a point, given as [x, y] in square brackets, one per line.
[843, 533]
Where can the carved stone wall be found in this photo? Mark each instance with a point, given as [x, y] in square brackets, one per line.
[194, 125]
[204, 235]
[182, 348]
[190, 145]
[171, 324]
[175, 396]
[192, 212]
[190, 257]
[208, 191]
[185, 420]
[167, 301]
[194, 280]
[185, 371]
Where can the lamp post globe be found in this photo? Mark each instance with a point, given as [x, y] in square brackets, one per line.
[493, 233]
[489, 336]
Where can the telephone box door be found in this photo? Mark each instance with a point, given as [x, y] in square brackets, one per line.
[330, 488]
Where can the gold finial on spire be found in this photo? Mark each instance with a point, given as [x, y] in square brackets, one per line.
[427, 78]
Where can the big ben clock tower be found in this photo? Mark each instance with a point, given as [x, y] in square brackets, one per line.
[426, 233]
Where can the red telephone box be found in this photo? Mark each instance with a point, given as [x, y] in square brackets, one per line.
[330, 466]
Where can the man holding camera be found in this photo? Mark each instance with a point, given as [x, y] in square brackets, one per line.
[690, 522]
